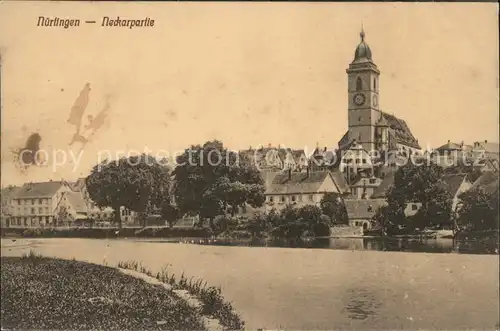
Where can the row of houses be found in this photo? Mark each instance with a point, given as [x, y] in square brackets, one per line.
[290, 178]
[53, 203]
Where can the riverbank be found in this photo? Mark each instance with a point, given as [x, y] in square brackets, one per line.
[47, 293]
[106, 233]
[342, 289]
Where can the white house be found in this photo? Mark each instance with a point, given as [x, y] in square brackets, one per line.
[301, 188]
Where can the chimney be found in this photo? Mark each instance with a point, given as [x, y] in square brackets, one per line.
[486, 141]
[448, 141]
[324, 150]
[269, 145]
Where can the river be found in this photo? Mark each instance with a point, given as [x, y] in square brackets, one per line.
[306, 289]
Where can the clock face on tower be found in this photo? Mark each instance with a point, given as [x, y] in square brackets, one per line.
[359, 99]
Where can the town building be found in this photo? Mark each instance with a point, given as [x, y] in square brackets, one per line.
[7, 194]
[45, 204]
[454, 184]
[275, 158]
[301, 188]
[360, 212]
[368, 125]
[485, 149]
[364, 187]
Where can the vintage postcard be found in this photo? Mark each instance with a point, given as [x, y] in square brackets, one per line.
[249, 166]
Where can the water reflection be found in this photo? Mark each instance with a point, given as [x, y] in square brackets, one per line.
[372, 244]
[360, 304]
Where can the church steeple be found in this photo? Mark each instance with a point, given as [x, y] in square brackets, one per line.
[363, 93]
[363, 52]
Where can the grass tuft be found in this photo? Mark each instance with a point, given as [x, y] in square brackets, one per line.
[213, 302]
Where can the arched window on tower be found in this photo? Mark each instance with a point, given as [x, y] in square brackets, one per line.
[375, 84]
[359, 84]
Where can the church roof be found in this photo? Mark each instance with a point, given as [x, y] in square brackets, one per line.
[401, 131]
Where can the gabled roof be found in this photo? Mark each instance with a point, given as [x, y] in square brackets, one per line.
[381, 191]
[485, 179]
[9, 192]
[322, 158]
[39, 190]
[345, 141]
[492, 187]
[363, 208]
[76, 200]
[450, 146]
[298, 153]
[259, 155]
[296, 182]
[488, 147]
[340, 180]
[451, 183]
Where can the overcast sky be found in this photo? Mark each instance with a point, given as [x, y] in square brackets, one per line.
[248, 74]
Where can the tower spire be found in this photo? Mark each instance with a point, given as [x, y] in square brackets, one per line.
[362, 33]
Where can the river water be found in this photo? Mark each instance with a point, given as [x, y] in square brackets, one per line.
[313, 289]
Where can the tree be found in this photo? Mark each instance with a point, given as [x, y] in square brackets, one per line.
[332, 206]
[423, 184]
[170, 213]
[210, 181]
[62, 216]
[309, 214]
[138, 183]
[479, 209]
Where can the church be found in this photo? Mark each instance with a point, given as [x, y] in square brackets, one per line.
[368, 126]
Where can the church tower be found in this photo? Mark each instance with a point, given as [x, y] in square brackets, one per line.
[363, 92]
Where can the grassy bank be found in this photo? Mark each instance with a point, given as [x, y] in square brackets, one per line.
[46, 293]
[213, 303]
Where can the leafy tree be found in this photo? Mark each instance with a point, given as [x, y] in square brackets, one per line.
[138, 183]
[332, 206]
[313, 220]
[288, 215]
[309, 214]
[479, 209]
[62, 217]
[258, 224]
[210, 181]
[414, 183]
[170, 213]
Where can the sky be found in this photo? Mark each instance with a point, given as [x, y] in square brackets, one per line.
[248, 74]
